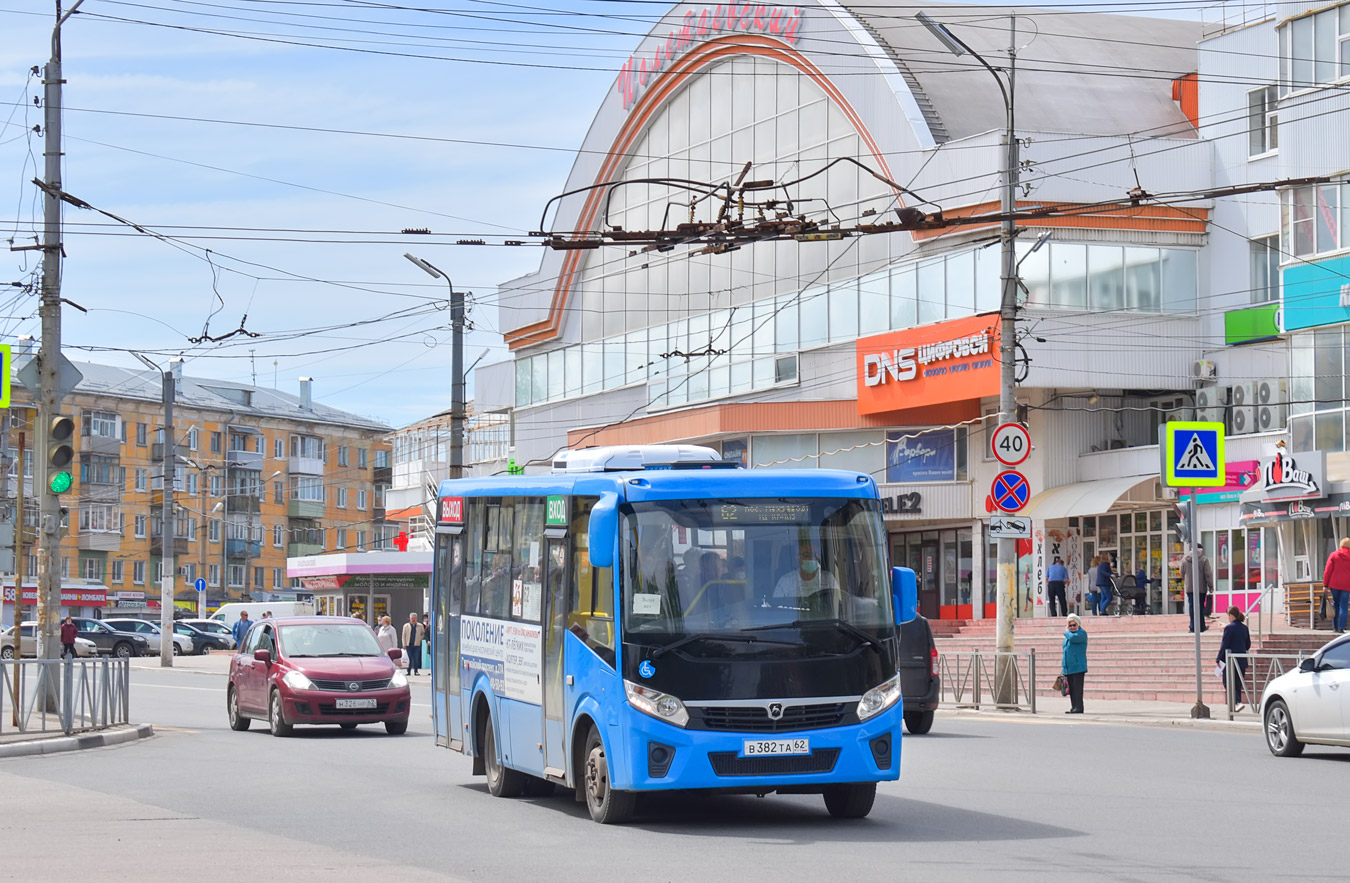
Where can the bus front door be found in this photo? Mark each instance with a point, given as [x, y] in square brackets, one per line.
[555, 629]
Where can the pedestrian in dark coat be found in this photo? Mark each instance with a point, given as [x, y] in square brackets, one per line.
[68, 634]
[1104, 586]
[1073, 664]
[1206, 586]
[1236, 639]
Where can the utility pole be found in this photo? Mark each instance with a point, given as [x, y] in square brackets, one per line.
[49, 404]
[1004, 676]
[456, 366]
[167, 533]
[19, 570]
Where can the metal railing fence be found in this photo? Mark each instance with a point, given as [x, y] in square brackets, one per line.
[968, 679]
[65, 695]
[1262, 668]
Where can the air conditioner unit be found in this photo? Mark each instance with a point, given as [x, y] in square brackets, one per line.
[1271, 397]
[1204, 369]
[1242, 409]
[1211, 403]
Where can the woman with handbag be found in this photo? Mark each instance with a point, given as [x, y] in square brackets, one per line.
[1074, 663]
[1236, 639]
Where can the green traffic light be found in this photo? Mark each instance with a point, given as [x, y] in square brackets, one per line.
[60, 482]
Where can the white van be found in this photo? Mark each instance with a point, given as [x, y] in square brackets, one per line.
[228, 614]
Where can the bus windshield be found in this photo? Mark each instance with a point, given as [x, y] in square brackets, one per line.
[730, 565]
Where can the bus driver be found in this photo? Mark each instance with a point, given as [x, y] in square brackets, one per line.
[807, 579]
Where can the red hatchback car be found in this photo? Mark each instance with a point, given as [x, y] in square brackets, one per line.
[316, 670]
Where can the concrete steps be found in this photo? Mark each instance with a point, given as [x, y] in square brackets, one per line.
[1145, 658]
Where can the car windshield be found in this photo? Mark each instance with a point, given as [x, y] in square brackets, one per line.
[734, 565]
[328, 639]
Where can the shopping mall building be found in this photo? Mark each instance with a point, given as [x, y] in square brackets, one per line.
[789, 354]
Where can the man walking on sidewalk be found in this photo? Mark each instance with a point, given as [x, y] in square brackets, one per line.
[412, 643]
[1206, 586]
[1336, 577]
[1056, 575]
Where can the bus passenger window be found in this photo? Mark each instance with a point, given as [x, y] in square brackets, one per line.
[592, 607]
[527, 586]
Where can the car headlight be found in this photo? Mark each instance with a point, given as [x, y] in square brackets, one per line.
[659, 705]
[879, 698]
[398, 680]
[297, 681]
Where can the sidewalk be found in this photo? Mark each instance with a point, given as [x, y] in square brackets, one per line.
[1117, 711]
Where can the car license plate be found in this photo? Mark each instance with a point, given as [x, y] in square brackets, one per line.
[356, 703]
[763, 747]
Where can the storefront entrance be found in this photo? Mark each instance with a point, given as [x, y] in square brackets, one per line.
[941, 559]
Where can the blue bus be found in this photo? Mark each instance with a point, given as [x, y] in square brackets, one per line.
[651, 618]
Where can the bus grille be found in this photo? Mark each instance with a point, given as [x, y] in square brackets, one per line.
[341, 686]
[752, 719]
[729, 763]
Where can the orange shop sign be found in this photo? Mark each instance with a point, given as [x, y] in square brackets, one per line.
[933, 365]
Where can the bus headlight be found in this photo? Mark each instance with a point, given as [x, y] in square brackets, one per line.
[879, 698]
[659, 705]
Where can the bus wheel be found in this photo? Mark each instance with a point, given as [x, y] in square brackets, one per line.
[607, 805]
[502, 780]
[850, 801]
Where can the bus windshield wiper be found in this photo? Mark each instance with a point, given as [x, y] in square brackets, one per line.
[844, 624]
[713, 636]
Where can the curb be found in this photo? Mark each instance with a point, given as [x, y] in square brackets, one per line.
[60, 744]
[1218, 724]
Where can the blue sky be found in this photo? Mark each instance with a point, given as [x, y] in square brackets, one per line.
[140, 143]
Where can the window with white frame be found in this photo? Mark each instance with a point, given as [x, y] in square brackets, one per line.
[379, 495]
[100, 518]
[140, 526]
[117, 571]
[1265, 269]
[213, 530]
[92, 568]
[278, 536]
[138, 572]
[342, 498]
[278, 449]
[140, 434]
[342, 455]
[234, 575]
[192, 438]
[360, 541]
[65, 568]
[278, 492]
[1314, 218]
[192, 484]
[142, 480]
[362, 457]
[215, 485]
[361, 500]
[381, 459]
[1315, 49]
[213, 575]
[190, 573]
[101, 423]
[308, 446]
[1262, 122]
[341, 538]
[307, 487]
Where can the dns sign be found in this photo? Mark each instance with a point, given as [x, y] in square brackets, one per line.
[452, 509]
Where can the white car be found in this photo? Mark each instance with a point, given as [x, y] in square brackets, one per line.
[182, 646]
[1307, 706]
[84, 647]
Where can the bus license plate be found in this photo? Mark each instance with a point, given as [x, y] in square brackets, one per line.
[762, 747]
[356, 703]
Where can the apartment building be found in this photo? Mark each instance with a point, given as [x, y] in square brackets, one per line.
[259, 475]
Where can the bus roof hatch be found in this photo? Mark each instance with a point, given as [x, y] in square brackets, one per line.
[617, 458]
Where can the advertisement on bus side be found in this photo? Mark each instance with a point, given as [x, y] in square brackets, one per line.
[509, 653]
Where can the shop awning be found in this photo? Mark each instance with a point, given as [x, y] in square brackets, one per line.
[1082, 498]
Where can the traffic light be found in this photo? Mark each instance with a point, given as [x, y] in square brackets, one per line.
[1185, 511]
[60, 453]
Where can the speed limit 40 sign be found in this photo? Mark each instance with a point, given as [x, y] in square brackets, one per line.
[1011, 444]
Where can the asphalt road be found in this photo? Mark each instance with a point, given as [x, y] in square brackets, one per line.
[1042, 799]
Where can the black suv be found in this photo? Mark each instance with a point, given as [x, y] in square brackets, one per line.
[919, 682]
[109, 641]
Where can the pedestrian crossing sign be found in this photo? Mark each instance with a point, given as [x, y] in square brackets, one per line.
[1192, 454]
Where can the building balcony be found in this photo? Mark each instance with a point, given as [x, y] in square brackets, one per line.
[301, 550]
[305, 509]
[100, 541]
[179, 545]
[157, 452]
[244, 459]
[243, 504]
[243, 548]
[92, 492]
[305, 466]
[100, 444]
[383, 475]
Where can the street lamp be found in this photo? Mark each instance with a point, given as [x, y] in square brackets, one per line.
[1007, 398]
[456, 365]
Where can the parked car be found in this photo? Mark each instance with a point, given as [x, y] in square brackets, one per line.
[919, 682]
[202, 641]
[1304, 706]
[316, 670]
[182, 645]
[109, 640]
[211, 627]
[83, 647]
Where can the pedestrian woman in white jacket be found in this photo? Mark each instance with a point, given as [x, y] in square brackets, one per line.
[386, 635]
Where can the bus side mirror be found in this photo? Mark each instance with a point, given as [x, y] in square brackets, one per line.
[604, 526]
[905, 594]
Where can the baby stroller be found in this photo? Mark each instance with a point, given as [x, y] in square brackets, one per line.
[1127, 596]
